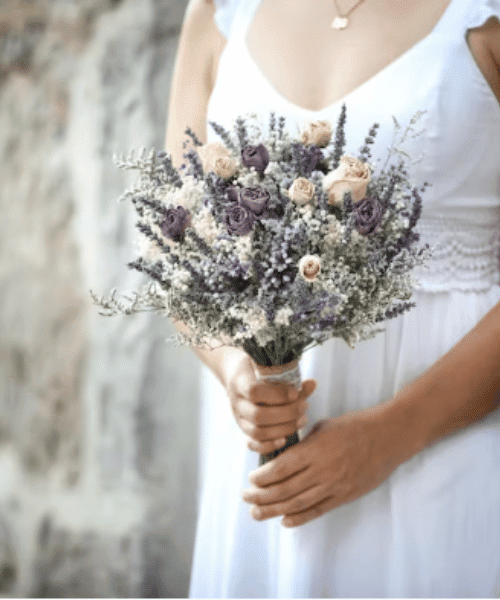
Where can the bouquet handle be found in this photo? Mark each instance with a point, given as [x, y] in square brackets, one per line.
[288, 373]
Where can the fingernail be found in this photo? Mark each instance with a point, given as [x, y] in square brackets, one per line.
[280, 443]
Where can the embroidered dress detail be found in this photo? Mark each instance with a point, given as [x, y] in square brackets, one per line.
[465, 257]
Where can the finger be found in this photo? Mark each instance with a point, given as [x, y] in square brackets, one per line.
[281, 492]
[266, 447]
[307, 388]
[267, 434]
[299, 503]
[263, 392]
[265, 416]
[313, 512]
[282, 467]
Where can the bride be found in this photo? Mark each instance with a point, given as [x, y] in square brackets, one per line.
[394, 490]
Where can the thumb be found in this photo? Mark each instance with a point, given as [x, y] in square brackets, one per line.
[307, 388]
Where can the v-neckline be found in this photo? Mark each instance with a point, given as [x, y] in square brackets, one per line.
[358, 88]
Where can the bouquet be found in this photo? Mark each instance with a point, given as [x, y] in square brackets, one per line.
[272, 243]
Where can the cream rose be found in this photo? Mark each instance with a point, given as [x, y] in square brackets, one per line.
[216, 157]
[301, 191]
[351, 175]
[309, 267]
[318, 133]
[225, 167]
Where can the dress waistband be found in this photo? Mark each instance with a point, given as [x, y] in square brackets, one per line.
[464, 257]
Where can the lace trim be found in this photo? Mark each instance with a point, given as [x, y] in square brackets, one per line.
[465, 257]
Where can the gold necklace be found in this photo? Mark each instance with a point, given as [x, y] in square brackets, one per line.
[341, 21]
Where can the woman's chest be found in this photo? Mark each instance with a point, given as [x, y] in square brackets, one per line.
[312, 65]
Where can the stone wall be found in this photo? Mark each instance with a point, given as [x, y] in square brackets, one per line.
[98, 416]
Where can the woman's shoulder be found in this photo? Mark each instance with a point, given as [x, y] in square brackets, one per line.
[200, 25]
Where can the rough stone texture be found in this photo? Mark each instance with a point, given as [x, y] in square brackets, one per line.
[98, 417]
[82, 565]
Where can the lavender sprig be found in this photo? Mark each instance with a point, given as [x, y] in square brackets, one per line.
[146, 230]
[365, 151]
[171, 173]
[241, 132]
[224, 135]
[340, 140]
[196, 141]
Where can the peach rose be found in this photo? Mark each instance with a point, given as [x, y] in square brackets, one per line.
[318, 133]
[216, 157]
[309, 267]
[351, 175]
[301, 191]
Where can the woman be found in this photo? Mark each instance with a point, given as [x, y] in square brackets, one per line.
[395, 490]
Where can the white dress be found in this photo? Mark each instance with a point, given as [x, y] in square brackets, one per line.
[433, 528]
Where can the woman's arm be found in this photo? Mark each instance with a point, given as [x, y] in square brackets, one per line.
[200, 46]
[460, 388]
[464, 385]
[266, 413]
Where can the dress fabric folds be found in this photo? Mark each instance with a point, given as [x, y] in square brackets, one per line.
[433, 528]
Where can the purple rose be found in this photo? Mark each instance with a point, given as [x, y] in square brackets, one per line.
[255, 156]
[239, 220]
[368, 214]
[256, 199]
[175, 223]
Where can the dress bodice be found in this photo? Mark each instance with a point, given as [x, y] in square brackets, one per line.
[458, 152]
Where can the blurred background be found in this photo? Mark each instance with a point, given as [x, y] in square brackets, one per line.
[98, 415]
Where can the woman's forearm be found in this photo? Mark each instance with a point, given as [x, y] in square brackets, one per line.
[460, 388]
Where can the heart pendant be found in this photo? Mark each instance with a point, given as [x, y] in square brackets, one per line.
[340, 23]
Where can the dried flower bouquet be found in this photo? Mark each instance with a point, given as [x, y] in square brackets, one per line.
[275, 244]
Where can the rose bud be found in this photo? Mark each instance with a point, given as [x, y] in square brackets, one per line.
[255, 199]
[309, 267]
[238, 220]
[318, 133]
[301, 191]
[255, 156]
[352, 176]
[175, 223]
[368, 214]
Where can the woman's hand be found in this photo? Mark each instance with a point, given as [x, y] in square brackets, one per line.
[266, 412]
[340, 460]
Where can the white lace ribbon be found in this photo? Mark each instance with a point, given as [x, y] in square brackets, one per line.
[281, 374]
[465, 256]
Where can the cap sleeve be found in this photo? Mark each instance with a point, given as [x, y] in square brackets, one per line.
[224, 15]
[482, 10]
